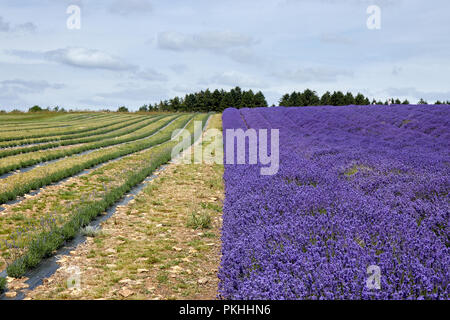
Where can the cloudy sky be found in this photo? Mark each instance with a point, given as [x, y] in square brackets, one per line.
[131, 52]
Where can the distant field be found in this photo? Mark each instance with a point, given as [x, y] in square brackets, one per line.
[42, 204]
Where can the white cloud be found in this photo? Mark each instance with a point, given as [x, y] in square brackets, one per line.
[336, 39]
[137, 97]
[87, 58]
[396, 70]
[414, 93]
[4, 26]
[14, 90]
[179, 67]
[231, 44]
[310, 74]
[90, 59]
[151, 75]
[187, 88]
[128, 7]
[77, 57]
[28, 27]
[28, 86]
[211, 41]
[233, 78]
[243, 55]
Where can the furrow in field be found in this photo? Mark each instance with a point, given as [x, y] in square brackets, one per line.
[29, 159]
[84, 172]
[119, 129]
[55, 123]
[40, 118]
[81, 199]
[28, 134]
[25, 145]
[20, 184]
[82, 126]
[104, 127]
[8, 204]
[26, 162]
[5, 129]
[56, 120]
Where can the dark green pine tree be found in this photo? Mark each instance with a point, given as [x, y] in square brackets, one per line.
[284, 101]
[310, 98]
[123, 109]
[236, 94]
[359, 99]
[207, 101]
[215, 100]
[189, 103]
[349, 99]
[293, 100]
[259, 100]
[297, 99]
[144, 108]
[165, 105]
[227, 101]
[337, 98]
[200, 101]
[325, 100]
[247, 99]
[175, 104]
[38, 109]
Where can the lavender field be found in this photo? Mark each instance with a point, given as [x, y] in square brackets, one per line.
[358, 186]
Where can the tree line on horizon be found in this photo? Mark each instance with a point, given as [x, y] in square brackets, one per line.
[219, 100]
[207, 101]
[337, 98]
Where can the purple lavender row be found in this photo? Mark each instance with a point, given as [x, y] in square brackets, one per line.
[357, 187]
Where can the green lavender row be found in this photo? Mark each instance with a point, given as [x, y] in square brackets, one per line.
[43, 125]
[118, 130]
[28, 159]
[45, 133]
[45, 118]
[48, 241]
[6, 129]
[105, 127]
[20, 184]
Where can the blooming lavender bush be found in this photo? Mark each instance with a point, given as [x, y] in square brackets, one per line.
[358, 186]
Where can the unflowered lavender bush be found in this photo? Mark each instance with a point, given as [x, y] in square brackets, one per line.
[357, 186]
